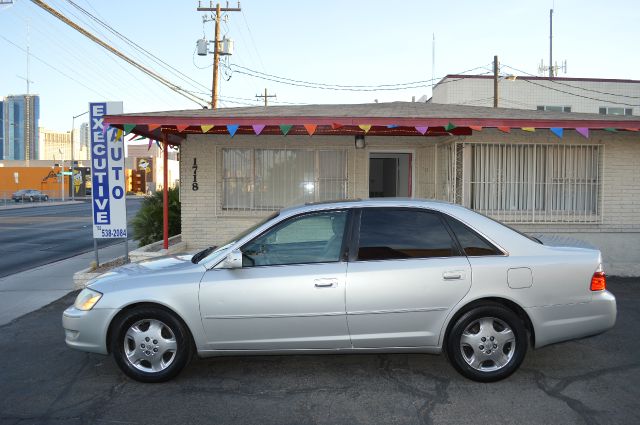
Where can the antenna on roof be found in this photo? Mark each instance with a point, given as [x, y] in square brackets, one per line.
[553, 69]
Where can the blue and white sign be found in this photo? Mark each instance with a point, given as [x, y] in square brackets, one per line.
[107, 174]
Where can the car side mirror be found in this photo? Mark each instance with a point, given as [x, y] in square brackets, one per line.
[233, 260]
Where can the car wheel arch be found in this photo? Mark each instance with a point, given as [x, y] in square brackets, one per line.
[141, 305]
[509, 304]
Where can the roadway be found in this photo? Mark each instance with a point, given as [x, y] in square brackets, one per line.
[38, 235]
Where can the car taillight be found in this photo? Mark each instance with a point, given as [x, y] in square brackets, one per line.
[598, 281]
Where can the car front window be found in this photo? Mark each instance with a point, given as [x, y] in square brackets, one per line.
[311, 238]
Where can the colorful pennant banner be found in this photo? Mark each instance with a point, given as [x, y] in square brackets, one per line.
[232, 128]
[182, 128]
[149, 145]
[449, 126]
[128, 128]
[392, 126]
[583, 131]
[152, 127]
[311, 128]
[422, 129]
[285, 128]
[557, 131]
[365, 127]
[206, 128]
[529, 129]
[475, 127]
[336, 126]
[505, 129]
[257, 128]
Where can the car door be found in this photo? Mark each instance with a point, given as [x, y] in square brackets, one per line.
[404, 276]
[289, 293]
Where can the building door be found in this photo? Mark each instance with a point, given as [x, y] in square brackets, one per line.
[390, 175]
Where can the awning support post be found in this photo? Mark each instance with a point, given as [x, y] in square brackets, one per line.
[165, 192]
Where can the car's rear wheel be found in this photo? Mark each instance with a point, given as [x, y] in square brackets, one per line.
[487, 343]
[150, 344]
[45, 198]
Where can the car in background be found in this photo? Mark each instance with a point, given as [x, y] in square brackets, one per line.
[363, 276]
[30, 195]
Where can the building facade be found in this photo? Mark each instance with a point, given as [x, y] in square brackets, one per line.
[551, 173]
[55, 145]
[582, 95]
[21, 115]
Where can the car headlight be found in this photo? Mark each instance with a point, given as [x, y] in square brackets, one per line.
[86, 299]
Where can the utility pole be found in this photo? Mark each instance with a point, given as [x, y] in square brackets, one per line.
[265, 95]
[495, 81]
[550, 43]
[216, 44]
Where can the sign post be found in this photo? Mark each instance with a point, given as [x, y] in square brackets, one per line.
[108, 194]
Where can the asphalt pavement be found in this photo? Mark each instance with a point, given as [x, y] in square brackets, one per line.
[588, 381]
[36, 235]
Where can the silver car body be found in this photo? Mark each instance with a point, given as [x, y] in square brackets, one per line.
[393, 305]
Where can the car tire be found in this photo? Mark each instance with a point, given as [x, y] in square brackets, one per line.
[30, 198]
[150, 344]
[45, 198]
[487, 343]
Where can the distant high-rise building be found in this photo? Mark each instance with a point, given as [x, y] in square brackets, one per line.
[1, 129]
[84, 141]
[20, 116]
[55, 145]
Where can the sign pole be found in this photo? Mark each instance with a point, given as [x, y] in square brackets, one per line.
[95, 248]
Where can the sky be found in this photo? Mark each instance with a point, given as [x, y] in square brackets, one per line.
[336, 42]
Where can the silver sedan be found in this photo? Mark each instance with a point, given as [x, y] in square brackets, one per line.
[349, 277]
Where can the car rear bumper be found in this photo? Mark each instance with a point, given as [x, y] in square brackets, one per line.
[87, 330]
[563, 322]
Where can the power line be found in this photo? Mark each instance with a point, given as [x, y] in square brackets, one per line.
[116, 52]
[176, 72]
[576, 87]
[53, 67]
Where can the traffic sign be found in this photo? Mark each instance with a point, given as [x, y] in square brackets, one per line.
[67, 173]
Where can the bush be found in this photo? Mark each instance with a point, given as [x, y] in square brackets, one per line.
[147, 224]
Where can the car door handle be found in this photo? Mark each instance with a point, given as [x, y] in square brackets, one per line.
[453, 275]
[325, 283]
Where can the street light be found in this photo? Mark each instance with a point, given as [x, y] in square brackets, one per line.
[73, 126]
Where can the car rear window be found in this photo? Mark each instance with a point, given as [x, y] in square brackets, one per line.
[471, 242]
[387, 233]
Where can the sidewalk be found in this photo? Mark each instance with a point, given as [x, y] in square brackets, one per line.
[10, 205]
[24, 292]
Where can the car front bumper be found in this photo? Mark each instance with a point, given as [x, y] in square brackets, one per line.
[87, 330]
[557, 323]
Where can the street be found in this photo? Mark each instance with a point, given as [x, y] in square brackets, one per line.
[588, 381]
[30, 237]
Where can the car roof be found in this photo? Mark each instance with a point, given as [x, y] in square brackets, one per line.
[376, 202]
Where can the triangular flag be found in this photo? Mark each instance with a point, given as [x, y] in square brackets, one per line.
[232, 128]
[152, 127]
[505, 129]
[422, 129]
[611, 129]
[182, 128]
[475, 127]
[150, 143]
[257, 128]
[128, 128]
[392, 125]
[311, 128]
[632, 129]
[449, 127]
[284, 128]
[583, 131]
[138, 138]
[159, 145]
[365, 127]
[558, 131]
[336, 126]
[206, 128]
[119, 134]
[530, 129]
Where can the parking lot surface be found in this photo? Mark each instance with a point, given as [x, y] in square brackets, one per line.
[593, 381]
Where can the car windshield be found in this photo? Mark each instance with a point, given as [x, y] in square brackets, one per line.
[212, 250]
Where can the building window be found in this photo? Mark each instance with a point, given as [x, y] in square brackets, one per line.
[607, 110]
[554, 108]
[270, 179]
[525, 183]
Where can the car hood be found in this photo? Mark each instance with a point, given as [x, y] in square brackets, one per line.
[162, 266]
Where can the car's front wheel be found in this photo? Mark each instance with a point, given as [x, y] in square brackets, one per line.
[487, 343]
[150, 344]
